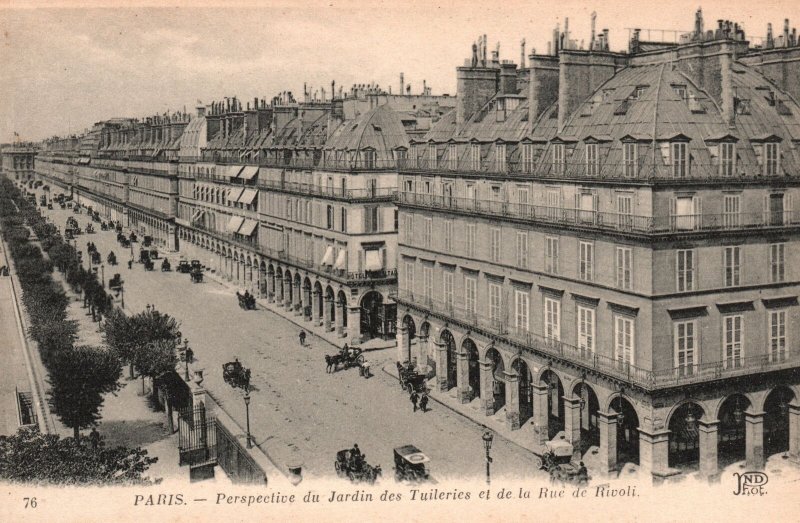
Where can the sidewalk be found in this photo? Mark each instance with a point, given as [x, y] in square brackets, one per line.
[307, 325]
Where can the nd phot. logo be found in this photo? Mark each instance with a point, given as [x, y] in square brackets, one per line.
[750, 483]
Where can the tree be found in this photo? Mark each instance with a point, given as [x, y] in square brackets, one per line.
[121, 335]
[32, 457]
[156, 358]
[79, 377]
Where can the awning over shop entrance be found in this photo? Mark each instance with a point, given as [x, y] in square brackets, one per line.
[248, 227]
[328, 258]
[234, 223]
[373, 260]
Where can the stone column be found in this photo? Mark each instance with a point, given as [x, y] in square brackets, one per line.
[512, 400]
[541, 416]
[794, 432]
[441, 365]
[315, 315]
[572, 424]
[754, 440]
[709, 435]
[607, 423]
[326, 314]
[308, 303]
[278, 288]
[354, 322]
[487, 387]
[288, 295]
[298, 299]
[465, 393]
[402, 342]
[340, 312]
[171, 237]
[421, 349]
[653, 451]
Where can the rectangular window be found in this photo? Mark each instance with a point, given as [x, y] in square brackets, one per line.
[432, 156]
[527, 158]
[470, 240]
[448, 235]
[470, 286]
[344, 219]
[494, 244]
[777, 335]
[559, 162]
[500, 157]
[624, 259]
[679, 160]
[475, 157]
[685, 212]
[685, 345]
[586, 260]
[427, 232]
[427, 281]
[522, 249]
[734, 352]
[586, 328]
[685, 270]
[727, 159]
[585, 203]
[551, 255]
[592, 159]
[732, 262]
[447, 284]
[330, 217]
[731, 210]
[452, 157]
[554, 203]
[623, 340]
[625, 210]
[409, 226]
[371, 218]
[552, 319]
[522, 196]
[629, 159]
[521, 307]
[771, 159]
[410, 276]
[776, 262]
[494, 303]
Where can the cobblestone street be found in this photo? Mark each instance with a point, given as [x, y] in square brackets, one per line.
[299, 412]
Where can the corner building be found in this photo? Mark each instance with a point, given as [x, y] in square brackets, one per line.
[600, 243]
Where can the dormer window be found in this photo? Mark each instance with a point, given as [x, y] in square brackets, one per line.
[639, 91]
[771, 158]
[452, 157]
[475, 157]
[680, 90]
[500, 153]
[592, 159]
[559, 160]
[432, 156]
[500, 110]
[369, 159]
[727, 159]
[527, 158]
[679, 159]
[629, 159]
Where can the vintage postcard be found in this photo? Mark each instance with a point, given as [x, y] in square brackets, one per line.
[400, 261]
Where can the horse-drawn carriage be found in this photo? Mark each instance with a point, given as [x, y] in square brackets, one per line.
[103, 226]
[410, 464]
[184, 267]
[354, 466]
[235, 375]
[89, 228]
[347, 357]
[557, 461]
[147, 241]
[246, 301]
[115, 282]
[410, 379]
[165, 266]
[196, 275]
[144, 255]
[112, 258]
[96, 258]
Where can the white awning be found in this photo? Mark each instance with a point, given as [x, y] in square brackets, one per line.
[197, 214]
[328, 258]
[248, 227]
[235, 194]
[234, 170]
[247, 197]
[234, 223]
[373, 261]
[248, 172]
[341, 260]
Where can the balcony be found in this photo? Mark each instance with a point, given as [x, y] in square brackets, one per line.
[367, 194]
[589, 360]
[610, 221]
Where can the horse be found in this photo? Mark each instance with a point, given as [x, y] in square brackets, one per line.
[332, 362]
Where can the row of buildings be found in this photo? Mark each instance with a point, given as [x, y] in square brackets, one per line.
[595, 243]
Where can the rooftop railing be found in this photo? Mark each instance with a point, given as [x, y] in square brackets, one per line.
[600, 219]
[591, 360]
[331, 192]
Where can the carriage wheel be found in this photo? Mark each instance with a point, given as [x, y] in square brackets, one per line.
[360, 360]
[351, 476]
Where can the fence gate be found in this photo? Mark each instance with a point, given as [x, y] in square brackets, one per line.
[197, 437]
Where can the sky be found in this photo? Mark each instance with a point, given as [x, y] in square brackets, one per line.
[64, 68]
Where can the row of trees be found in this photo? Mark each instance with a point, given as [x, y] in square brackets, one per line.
[79, 376]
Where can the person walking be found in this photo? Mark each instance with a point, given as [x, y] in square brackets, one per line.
[423, 402]
[414, 398]
[94, 438]
[302, 338]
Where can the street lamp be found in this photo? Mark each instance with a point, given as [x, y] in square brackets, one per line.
[103, 274]
[487, 443]
[120, 291]
[247, 409]
[186, 358]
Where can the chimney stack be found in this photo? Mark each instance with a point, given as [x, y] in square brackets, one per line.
[402, 83]
[591, 39]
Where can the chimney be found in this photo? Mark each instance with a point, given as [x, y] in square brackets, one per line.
[591, 39]
[726, 83]
[542, 84]
[402, 83]
[786, 32]
[508, 78]
[580, 75]
[475, 87]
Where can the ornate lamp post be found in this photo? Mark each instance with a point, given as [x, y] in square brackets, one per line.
[238, 376]
[247, 410]
[487, 443]
[186, 358]
[103, 275]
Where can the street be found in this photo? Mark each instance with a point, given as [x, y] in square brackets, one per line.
[298, 411]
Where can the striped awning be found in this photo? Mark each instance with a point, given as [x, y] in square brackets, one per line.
[234, 223]
[248, 227]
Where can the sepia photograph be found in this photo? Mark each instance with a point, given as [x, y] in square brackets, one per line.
[399, 261]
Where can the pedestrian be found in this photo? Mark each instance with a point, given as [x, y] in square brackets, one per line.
[94, 438]
[414, 398]
[189, 355]
[302, 338]
[130, 264]
[423, 402]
